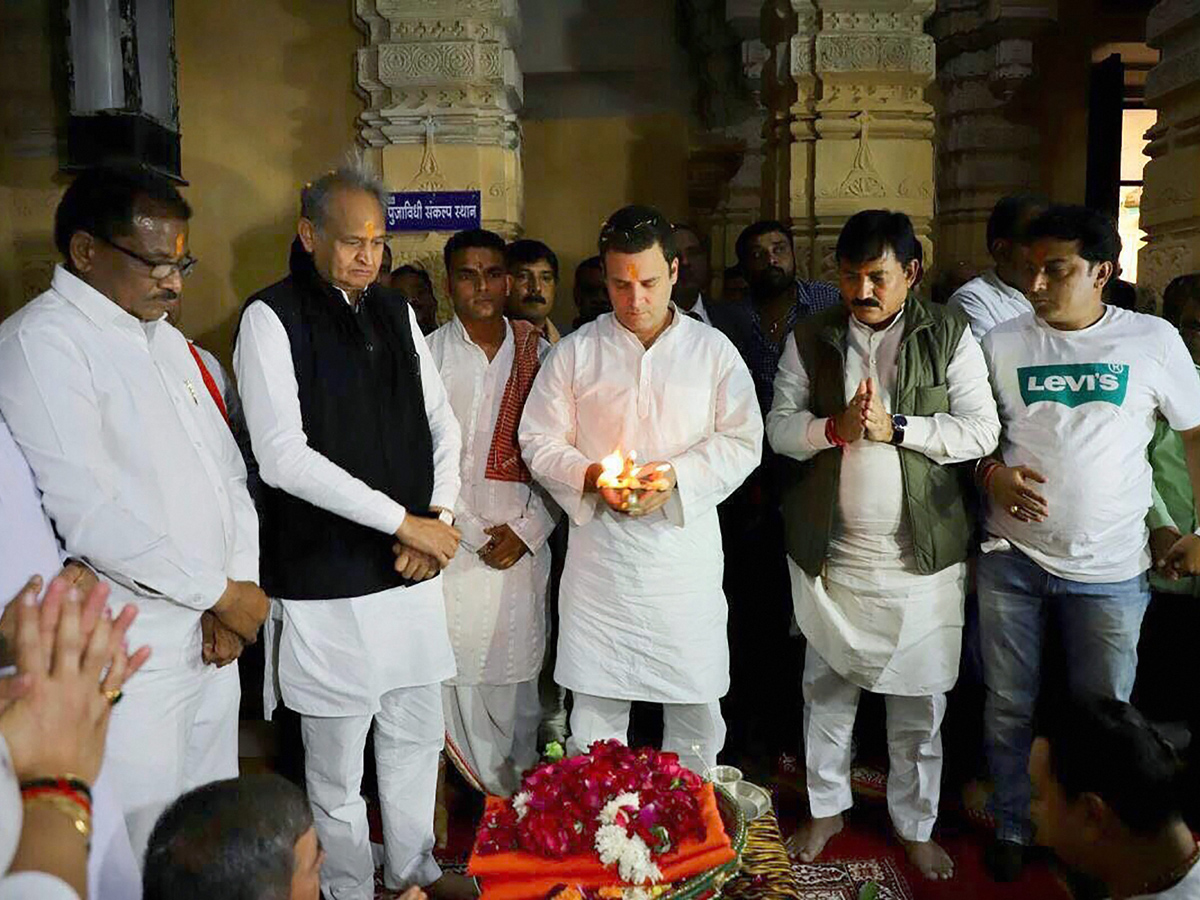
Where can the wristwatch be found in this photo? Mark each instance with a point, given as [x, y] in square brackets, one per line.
[898, 423]
[446, 516]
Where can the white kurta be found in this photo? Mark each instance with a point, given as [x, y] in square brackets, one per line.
[876, 621]
[136, 466]
[143, 481]
[29, 547]
[338, 657]
[643, 616]
[987, 301]
[497, 619]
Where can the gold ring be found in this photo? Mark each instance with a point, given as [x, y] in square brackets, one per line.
[114, 696]
[1014, 509]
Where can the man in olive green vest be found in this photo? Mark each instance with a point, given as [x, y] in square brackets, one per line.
[878, 399]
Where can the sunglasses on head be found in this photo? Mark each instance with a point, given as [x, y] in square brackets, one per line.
[626, 234]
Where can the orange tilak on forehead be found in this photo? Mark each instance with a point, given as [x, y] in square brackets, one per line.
[632, 271]
[179, 244]
[370, 230]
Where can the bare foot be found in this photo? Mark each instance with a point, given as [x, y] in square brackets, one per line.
[932, 861]
[811, 837]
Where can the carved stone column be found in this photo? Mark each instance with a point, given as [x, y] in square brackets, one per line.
[1171, 197]
[986, 146]
[740, 201]
[861, 129]
[745, 191]
[725, 160]
[443, 89]
[783, 31]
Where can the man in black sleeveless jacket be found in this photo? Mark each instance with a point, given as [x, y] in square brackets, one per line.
[358, 450]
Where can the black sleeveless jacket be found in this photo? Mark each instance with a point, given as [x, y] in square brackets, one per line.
[363, 408]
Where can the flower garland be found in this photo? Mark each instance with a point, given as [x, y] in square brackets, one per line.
[627, 806]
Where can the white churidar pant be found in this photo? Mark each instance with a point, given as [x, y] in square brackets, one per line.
[686, 728]
[914, 731]
[409, 734]
[175, 729]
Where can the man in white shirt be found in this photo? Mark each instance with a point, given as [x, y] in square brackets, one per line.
[1078, 385]
[358, 453]
[642, 613]
[140, 475]
[28, 546]
[1108, 791]
[879, 398]
[999, 293]
[496, 589]
[694, 272]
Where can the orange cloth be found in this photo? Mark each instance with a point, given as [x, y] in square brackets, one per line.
[518, 875]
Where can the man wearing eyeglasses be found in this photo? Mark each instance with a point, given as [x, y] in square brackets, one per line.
[141, 477]
[642, 613]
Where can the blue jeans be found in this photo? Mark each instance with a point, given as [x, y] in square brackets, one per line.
[1099, 625]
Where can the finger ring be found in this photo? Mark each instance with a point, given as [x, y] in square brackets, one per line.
[114, 696]
[1014, 509]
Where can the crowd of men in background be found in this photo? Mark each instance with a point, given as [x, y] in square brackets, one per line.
[829, 488]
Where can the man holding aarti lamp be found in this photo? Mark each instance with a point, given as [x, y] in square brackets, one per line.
[643, 616]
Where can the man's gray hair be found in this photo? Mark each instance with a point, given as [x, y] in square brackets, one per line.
[354, 176]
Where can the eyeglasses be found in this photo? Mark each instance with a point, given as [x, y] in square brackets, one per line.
[159, 271]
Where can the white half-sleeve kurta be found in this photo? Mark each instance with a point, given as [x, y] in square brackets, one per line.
[137, 468]
[337, 657]
[642, 613]
[497, 619]
[876, 621]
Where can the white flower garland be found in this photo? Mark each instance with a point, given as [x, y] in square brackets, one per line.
[520, 804]
[616, 845]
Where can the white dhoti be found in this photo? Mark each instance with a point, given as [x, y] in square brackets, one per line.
[175, 729]
[341, 664]
[695, 731]
[914, 749]
[491, 730]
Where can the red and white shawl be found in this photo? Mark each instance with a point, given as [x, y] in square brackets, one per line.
[504, 461]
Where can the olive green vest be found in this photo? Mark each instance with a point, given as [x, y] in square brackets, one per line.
[937, 498]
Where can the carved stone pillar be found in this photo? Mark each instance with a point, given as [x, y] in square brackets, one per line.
[987, 147]
[861, 129]
[442, 88]
[782, 32]
[741, 202]
[1171, 197]
[725, 161]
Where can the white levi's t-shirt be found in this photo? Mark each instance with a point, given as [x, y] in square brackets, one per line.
[1079, 407]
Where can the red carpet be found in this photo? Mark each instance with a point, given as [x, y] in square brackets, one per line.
[868, 836]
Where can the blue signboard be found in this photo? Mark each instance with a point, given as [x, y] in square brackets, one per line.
[433, 211]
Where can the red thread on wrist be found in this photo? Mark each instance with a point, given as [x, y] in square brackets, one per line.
[59, 790]
[831, 433]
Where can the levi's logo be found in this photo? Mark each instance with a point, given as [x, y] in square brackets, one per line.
[1074, 385]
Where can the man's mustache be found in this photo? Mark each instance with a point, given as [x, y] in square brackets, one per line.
[873, 304]
[533, 298]
[166, 297]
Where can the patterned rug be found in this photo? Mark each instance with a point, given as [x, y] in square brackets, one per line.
[845, 880]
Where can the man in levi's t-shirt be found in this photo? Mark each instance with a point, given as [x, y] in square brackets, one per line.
[1078, 386]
